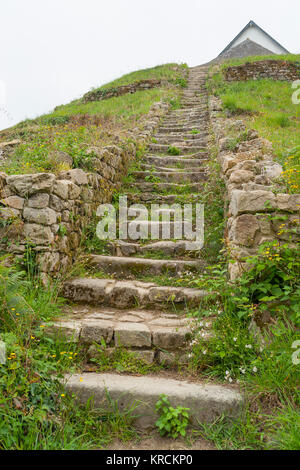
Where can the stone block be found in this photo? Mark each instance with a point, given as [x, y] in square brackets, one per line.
[132, 335]
[45, 216]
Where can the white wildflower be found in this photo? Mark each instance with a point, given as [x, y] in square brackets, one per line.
[254, 369]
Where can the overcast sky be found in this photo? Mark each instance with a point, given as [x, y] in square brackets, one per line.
[52, 51]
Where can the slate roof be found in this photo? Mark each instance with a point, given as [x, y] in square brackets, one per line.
[249, 25]
[245, 49]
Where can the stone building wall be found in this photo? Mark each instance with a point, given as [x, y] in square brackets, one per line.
[255, 200]
[50, 211]
[274, 69]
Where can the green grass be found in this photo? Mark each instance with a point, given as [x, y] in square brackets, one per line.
[266, 105]
[171, 72]
[122, 107]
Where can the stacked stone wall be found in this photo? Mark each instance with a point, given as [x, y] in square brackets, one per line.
[274, 69]
[49, 212]
[257, 207]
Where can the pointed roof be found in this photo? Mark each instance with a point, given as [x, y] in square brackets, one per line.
[246, 49]
[252, 24]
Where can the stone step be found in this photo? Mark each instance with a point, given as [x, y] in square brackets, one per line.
[148, 330]
[181, 135]
[128, 294]
[191, 109]
[148, 198]
[168, 247]
[206, 401]
[176, 177]
[166, 187]
[126, 266]
[188, 114]
[185, 149]
[181, 129]
[173, 161]
[193, 105]
[152, 167]
[180, 140]
[193, 121]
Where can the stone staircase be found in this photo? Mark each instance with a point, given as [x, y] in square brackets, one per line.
[150, 319]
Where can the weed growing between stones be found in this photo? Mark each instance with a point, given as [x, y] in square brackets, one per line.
[119, 359]
[172, 421]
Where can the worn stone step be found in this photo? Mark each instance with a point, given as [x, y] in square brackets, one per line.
[148, 198]
[184, 162]
[166, 187]
[206, 401]
[182, 129]
[193, 105]
[168, 247]
[127, 266]
[176, 177]
[192, 121]
[188, 114]
[181, 135]
[143, 331]
[145, 166]
[179, 140]
[200, 108]
[128, 294]
[184, 148]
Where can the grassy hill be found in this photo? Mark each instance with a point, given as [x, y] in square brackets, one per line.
[74, 127]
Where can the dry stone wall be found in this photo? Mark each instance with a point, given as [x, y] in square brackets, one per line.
[274, 69]
[50, 211]
[98, 95]
[257, 208]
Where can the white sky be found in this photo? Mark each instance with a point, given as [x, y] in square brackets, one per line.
[53, 51]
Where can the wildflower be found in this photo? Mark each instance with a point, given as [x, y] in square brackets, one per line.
[63, 395]
[230, 379]
[235, 339]
[204, 352]
[248, 346]
[254, 369]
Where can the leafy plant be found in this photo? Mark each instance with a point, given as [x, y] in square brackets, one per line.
[172, 421]
[173, 150]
